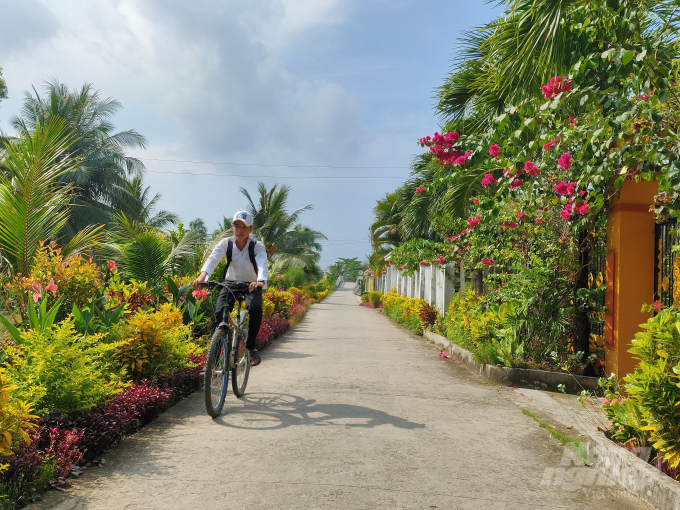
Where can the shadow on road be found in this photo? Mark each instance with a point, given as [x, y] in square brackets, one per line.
[266, 411]
[276, 354]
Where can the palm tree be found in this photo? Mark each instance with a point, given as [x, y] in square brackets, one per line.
[384, 231]
[506, 61]
[100, 152]
[287, 242]
[137, 204]
[147, 254]
[34, 206]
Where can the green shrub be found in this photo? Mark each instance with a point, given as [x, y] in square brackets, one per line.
[372, 297]
[61, 370]
[294, 277]
[655, 384]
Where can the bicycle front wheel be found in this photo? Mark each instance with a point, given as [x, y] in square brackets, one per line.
[239, 374]
[216, 373]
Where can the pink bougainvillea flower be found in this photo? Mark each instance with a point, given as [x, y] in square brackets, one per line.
[583, 208]
[494, 150]
[539, 221]
[475, 201]
[510, 224]
[521, 215]
[658, 305]
[565, 161]
[531, 168]
[555, 86]
[565, 215]
[565, 188]
[515, 183]
[488, 179]
[279, 278]
[460, 160]
[420, 190]
[52, 287]
[644, 97]
[473, 222]
[111, 265]
[549, 145]
[487, 262]
[441, 261]
[568, 208]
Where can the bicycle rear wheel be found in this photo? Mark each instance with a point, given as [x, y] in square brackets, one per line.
[239, 375]
[216, 373]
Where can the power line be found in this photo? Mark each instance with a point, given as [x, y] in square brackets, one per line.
[281, 176]
[269, 165]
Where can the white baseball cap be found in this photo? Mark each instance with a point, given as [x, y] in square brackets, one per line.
[245, 217]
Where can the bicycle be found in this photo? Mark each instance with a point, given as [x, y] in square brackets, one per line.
[227, 351]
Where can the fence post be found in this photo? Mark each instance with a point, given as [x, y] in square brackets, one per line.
[630, 271]
[432, 287]
[462, 278]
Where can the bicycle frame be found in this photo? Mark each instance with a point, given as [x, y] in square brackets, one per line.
[234, 325]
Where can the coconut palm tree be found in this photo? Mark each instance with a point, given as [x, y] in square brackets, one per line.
[384, 231]
[287, 242]
[34, 206]
[102, 162]
[507, 61]
[136, 203]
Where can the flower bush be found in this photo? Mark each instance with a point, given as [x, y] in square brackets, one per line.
[76, 277]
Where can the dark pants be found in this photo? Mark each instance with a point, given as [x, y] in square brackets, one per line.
[225, 302]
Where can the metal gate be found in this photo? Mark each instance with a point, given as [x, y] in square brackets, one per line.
[666, 236]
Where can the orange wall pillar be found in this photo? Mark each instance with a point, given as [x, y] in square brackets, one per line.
[630, 271]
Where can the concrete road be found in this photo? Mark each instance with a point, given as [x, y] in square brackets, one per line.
[348, 411]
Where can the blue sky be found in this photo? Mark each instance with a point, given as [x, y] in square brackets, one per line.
[272, 82]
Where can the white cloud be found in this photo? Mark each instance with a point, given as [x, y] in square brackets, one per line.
[205, 71]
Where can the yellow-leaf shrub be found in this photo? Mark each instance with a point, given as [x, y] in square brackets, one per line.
[15, 416]
[403, 310]
[62, 370]
[154, 343]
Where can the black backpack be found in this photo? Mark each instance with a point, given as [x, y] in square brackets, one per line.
[251, 253]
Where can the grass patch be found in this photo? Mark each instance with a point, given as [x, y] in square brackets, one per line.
[577, 447]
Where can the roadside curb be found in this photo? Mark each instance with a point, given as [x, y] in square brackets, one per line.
[520, 377]
[639, 478]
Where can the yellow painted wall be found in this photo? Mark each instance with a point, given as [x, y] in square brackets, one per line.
[630, 250]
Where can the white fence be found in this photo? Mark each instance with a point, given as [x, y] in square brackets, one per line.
[434, 284]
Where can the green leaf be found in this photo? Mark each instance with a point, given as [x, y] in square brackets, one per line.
[12, 330]
[627, 57]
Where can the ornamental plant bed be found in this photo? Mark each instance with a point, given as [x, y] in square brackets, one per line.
[520, 377]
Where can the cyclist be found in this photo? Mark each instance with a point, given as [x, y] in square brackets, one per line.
[246, 262]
